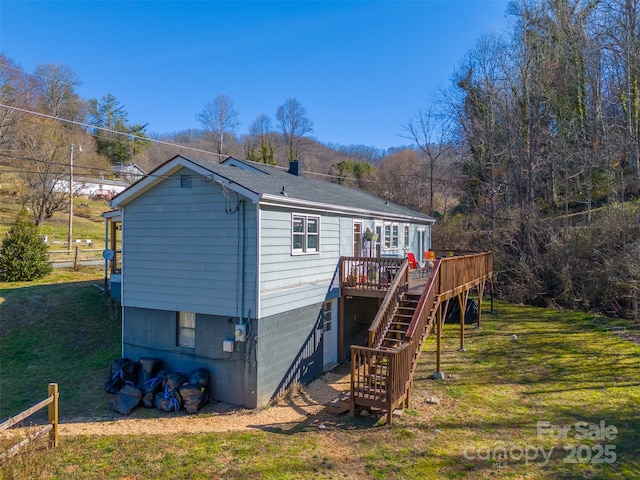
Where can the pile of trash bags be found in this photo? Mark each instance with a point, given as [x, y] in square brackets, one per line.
[145, 383]
[470, 314]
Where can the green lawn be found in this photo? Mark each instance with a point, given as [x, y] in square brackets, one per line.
[500, 413]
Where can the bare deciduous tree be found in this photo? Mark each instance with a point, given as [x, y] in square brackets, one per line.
[431, 133]
[44, 171]
[55, 89]
[294, 125]
[16, 90]
[220, 118]
[259, 145]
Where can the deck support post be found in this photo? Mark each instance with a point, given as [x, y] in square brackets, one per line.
[440, 319]
[480, 294]
[462, 303]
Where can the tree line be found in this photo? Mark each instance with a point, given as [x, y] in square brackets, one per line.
[546, 117]
[42, 116]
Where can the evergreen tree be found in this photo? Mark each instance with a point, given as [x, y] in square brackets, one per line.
[23, 254]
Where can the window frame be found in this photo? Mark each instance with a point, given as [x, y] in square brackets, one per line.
[406, 233]
[327, 316]
[305, 234]
[186, 330]
[358, 237]
[391, 233]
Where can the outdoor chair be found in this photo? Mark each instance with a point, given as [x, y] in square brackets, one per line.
[414, 267]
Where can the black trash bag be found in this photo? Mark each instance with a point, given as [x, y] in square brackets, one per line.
[149, 390]
[128, 398]
[173, 381]
[194, 396]
[122, 370]
[200, 376]
[168, 400]
[470, 315]
[148, 368]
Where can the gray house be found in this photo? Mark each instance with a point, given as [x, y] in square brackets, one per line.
[234, 267]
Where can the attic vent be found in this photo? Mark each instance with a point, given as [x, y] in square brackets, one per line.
[186, 181]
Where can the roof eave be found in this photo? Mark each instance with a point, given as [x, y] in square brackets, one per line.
[169, 168]
[282, 201]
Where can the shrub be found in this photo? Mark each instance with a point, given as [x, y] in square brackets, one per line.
[23, 254]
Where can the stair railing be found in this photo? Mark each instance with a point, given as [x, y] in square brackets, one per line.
[380, 324]
[426, 303]
[382, 378]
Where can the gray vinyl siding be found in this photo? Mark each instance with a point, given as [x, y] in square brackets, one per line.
[182, 251]
[289, 281]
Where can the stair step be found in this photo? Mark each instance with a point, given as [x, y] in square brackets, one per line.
[339, 404]
[408, 305]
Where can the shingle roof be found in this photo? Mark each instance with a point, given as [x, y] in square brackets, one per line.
[271, 181]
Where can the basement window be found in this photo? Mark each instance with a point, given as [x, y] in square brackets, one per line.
[186, 330]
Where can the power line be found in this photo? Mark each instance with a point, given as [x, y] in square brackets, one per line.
[236, 93]
[160, 142]
[81, 167]
[104, 129]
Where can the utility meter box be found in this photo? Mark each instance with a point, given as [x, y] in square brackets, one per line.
[228, 345]
[241, 332]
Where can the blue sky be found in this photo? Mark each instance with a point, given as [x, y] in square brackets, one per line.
[361, 69]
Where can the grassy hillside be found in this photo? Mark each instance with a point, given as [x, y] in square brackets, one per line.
[87, 222]
[480, 422]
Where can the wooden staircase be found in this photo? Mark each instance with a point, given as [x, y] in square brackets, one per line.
[382, 375]
[395, 333]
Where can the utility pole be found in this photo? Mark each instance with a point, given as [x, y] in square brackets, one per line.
[70, 198]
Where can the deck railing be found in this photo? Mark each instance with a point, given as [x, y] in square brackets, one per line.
[369, 273]
[382, 378]
[462, 272]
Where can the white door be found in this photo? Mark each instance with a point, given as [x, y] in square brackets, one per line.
[330, 333]
[357, 239]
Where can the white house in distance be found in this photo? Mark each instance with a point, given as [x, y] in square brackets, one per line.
[232, 266]
[93, 187]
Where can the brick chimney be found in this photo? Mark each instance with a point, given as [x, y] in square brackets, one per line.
[295, 168]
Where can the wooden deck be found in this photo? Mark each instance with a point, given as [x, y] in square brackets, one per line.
[412, 307]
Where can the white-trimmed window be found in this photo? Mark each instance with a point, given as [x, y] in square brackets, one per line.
[391, 236]
[186, 330]
[357, 239]
[305, 234]
[406, 236]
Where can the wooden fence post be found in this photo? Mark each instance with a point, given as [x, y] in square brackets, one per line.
[75, 260]
[53, 415]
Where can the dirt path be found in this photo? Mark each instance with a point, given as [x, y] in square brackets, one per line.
[307, 405]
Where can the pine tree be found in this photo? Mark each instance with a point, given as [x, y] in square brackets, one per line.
[23, 254]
